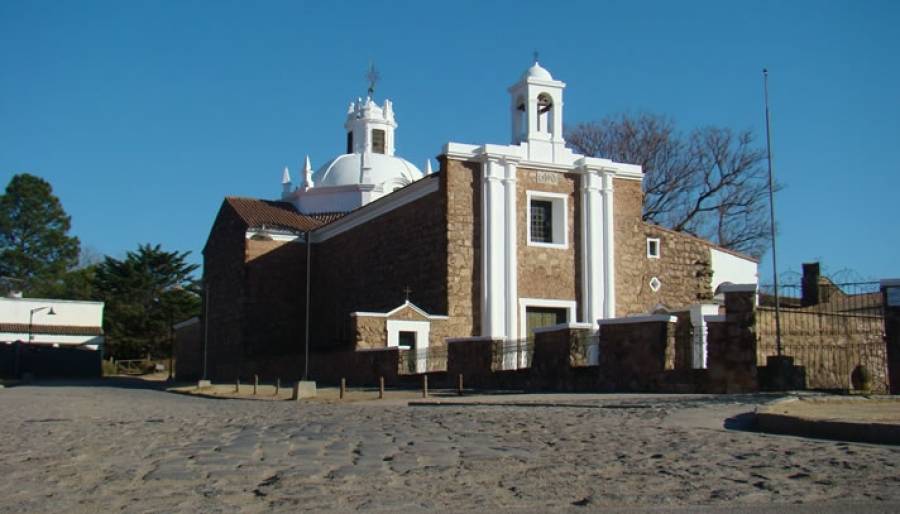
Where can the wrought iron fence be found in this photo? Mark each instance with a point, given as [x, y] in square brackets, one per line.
[423, 360]
[829, 329]
[852, 298]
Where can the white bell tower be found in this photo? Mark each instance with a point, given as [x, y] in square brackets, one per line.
[536, 107]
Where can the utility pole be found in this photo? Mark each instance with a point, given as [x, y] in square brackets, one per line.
[772, 215]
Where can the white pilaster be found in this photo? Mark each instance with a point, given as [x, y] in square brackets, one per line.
[511, 248]
[609, 261]
[592, 246]
[499, 248]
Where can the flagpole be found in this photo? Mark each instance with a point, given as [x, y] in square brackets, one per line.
[772, 214]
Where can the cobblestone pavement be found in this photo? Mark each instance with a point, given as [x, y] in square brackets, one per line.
[100, 449]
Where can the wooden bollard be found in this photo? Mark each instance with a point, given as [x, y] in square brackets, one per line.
[380, 388]
[424, 386]
[343, 387]
[255, 383]
[459, 385]
[237, 385]
[277, 386]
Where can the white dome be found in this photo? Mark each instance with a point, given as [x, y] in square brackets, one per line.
[386, 170]
[537, 72]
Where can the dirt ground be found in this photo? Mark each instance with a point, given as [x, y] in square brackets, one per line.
[121, 446]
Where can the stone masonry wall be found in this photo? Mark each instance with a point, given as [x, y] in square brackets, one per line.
[731, 346]
[461, 185]
[371, 331]
[635, 356]
[828, 345]
[547, 272]
[683, 268]
[368, 267]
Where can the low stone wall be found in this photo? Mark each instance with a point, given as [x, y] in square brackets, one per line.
[471, 357]
[731, 344]
[635, 352]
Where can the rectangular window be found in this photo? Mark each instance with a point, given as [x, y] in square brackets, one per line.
[407, 339]
[652, 248]
[377, 141]
[547, 219]
[541, 221]
[349, 142]
[537, 317]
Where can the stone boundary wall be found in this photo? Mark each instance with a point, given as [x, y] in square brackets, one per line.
[829, 346]
[635, 353]
[731, 343]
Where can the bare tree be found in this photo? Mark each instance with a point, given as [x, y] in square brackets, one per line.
[711, 183]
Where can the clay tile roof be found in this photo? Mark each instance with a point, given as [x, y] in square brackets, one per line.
[65, 330]
[256, 213]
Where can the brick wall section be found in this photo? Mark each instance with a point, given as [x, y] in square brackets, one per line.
[731, 346]
[461, 187]
[223, 270]
[547, 272]
[368, 267]
[274, 297]
[635, 356]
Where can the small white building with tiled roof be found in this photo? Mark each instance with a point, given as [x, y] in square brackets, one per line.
[49, 322]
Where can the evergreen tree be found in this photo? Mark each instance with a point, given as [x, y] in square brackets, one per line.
[145, 293]
[35, 245]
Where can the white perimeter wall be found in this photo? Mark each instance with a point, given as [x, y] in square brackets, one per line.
[728, 267]
[68, 312]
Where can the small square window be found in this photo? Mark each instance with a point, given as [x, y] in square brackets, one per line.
[652, 248]
[547, 225]
[541, 221]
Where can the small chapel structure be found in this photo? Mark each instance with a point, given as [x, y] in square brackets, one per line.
[370, 252]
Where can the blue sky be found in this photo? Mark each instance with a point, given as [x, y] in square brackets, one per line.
[143, 115]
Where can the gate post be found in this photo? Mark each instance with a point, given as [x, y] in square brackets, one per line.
[890, 295]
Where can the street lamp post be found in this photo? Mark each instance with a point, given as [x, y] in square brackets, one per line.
[31, 313]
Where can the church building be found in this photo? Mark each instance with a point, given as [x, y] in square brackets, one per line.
[369, 251]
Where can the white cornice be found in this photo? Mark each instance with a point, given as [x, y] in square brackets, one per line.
[578, 164]
[650, 318]
[368, 212]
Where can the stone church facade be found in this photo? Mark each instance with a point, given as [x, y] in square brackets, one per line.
[369, 252]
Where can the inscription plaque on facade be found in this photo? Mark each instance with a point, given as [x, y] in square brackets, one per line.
[547, 177]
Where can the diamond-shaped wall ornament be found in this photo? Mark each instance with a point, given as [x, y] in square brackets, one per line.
[655, 284]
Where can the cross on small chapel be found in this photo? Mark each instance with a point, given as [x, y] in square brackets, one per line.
[535, 57]
[406, 291]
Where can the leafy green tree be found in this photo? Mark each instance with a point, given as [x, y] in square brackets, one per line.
[35, 247]
[145, 293]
